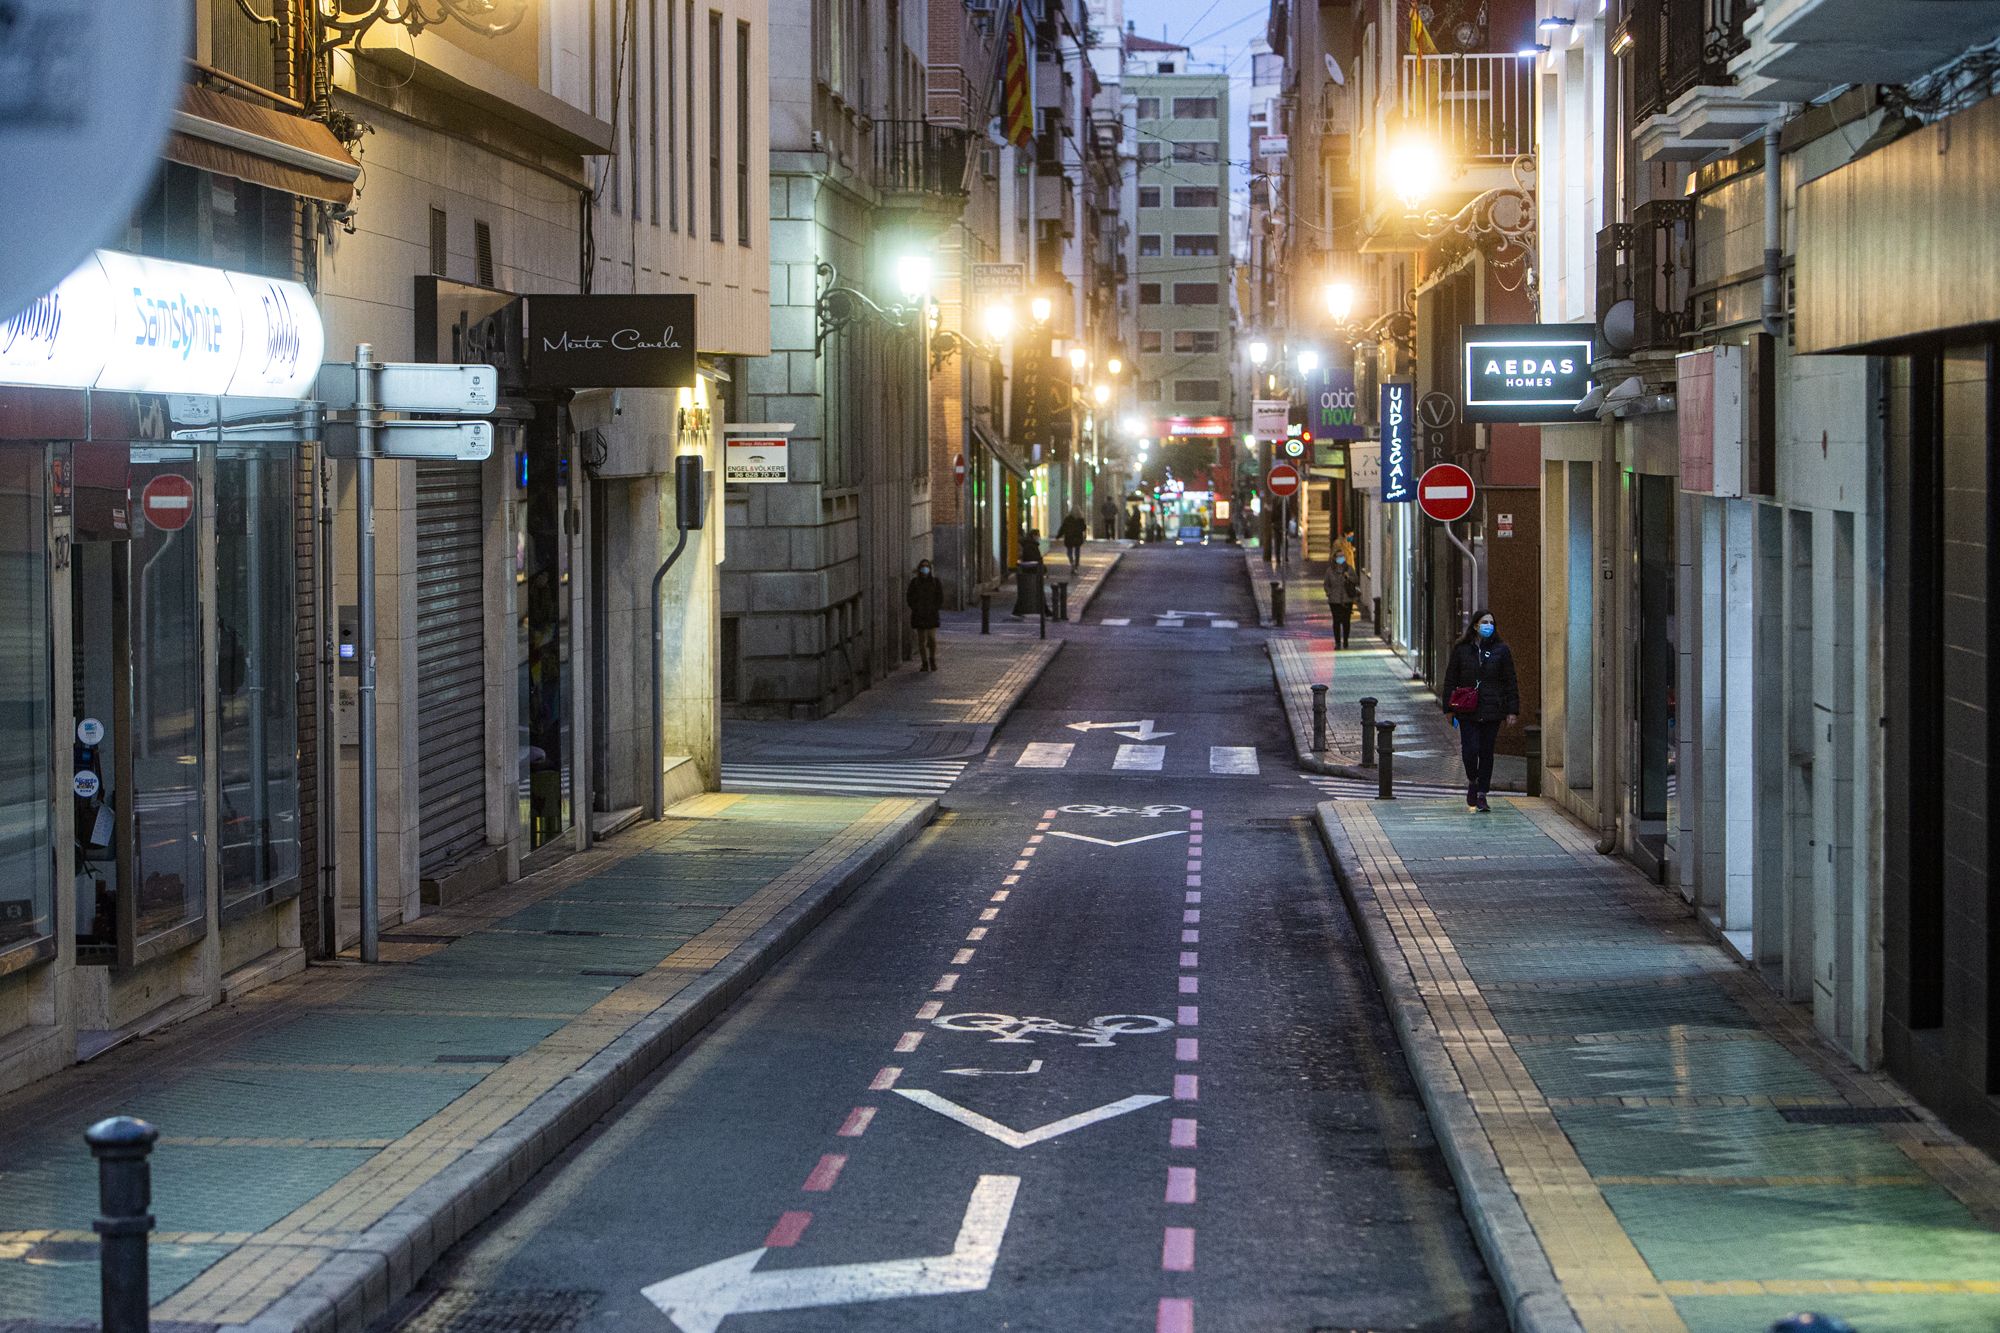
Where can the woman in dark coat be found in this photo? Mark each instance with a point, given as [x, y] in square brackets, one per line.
[1483, 665]
[925, 598]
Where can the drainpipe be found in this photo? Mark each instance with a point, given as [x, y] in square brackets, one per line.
[1605, 623]
[1774, 210]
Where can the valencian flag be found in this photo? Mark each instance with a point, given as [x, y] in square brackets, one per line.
[1420, 35]
[1017, 110]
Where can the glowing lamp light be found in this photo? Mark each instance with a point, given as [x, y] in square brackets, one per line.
[1308, 361]
[999, 321]
[1041, 308]
[1340, 300]
[1414, 169]
[1260, 351]
[1077, 356]
[1102, 393]
[914, 274]
[1114, 366]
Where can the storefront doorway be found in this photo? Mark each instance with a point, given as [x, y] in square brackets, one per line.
[544, 636]
[1655, 662]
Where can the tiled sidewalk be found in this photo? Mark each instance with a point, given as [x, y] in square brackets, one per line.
[325, 1139]
[1644, 1136]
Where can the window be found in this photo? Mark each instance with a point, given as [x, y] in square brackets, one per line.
[653, 98]
[632, 148]
[687, 123]
[1149, 196]
[1197, 152]
[1196, 340]
[440, 249]
[1197, 391]
[1196, 196]
[1149, 108]
[1149, 340]
[743, 134]
[1149, 244]
[1149, 391]
[1196, 293]
[27, 704]
[1149, 293]
[1150, 152]
[1195, 243]
[714, 126]
[482, 253]
[670, 146]
[1194, 108]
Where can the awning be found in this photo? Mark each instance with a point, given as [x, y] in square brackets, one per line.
[240, 139]
[1000, 451]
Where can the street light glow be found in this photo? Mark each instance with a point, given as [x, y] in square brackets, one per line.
[999, 321]
[1102, 393]
[1308, 361]
[1132, 426]
[1114, 366]
[1414, 170]
[1259, 351]
[1340, 300]
[913, 275]
[1041, 308]
[1077, 356]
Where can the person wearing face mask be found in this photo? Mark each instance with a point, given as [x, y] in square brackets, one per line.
[925, 598]
[1480, 691]
[1343, 590]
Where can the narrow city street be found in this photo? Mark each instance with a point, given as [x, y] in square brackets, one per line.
[1098, 1051]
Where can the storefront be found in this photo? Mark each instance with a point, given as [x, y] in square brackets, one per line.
[148, 643]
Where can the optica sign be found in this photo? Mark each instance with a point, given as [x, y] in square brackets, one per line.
[1397, 409]
[1339, 404]
[156, 326]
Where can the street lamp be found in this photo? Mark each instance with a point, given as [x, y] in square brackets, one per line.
[1077, 356]
[1414, 170]
[1114, 366]
[1041, 308]
[1102, 393]
[1308, 361]
[1132, 426]
[999, 321]
[1340, 300]
[1260, 351]
[913, 276]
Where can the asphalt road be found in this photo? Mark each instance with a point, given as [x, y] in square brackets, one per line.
[1099, 1051]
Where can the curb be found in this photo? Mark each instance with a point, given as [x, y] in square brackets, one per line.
[1082, 604]
[356, 1286]
[1513, 1254]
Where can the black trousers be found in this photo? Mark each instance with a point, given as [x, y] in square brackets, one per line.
[1343, 620]
[1075, 554]
[1476, 740]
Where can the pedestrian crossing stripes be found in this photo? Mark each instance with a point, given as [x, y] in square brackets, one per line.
[1140, 758]
[1045, 754]
[1223, 760]
[1175, 622]
[1367, 789]
[899, 777]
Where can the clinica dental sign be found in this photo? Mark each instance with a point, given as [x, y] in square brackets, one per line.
[1525, 372]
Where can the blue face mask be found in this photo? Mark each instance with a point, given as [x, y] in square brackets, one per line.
[1486, 631]
[1340, 560]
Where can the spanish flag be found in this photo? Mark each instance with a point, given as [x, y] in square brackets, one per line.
[1420, 35]
[1017, 110]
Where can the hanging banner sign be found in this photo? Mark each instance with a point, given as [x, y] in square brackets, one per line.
[1525, 372]
[155, 326]
[1398, 462]
[1269, 417]
[610, 341]
[1337, 407]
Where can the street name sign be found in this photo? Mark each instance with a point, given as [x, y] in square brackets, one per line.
[1445, 492]
[446, 441]
[415, 386]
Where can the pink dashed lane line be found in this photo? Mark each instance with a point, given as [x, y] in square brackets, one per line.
[1176, 1315]
[1183, 1135]
[1194, 839]
[1190, 960]
[928, 1010]
[962, 957]
[946, 982]
[1187, 1088]
[1191, 917]
[885, 1078]
[1019, 865]
[1194, 881]
[1180, 1184]
[1190, 985]
[1177, 1250]
[856, 1123]
[1190, 937]
[1194, 863]
[1011, 879]
[1190, 1016]
[822, 1177]
[1042, 827]
[786, 1234]
[1048, 814]
[1035, 840]
[908, 1042]
[1187, 1048]
[1195, 896]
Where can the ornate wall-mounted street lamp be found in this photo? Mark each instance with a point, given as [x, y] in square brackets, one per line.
[344, 22]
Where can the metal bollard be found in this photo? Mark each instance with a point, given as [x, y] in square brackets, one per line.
[1368, 732]
[1319, 718]
[1385, 755]
[985, 613]
[1534, 786]
[1277, 604]
[1042, 617]
[124, 1202]
[1062, 600]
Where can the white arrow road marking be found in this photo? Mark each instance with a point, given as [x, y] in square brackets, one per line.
[1125, 842]
[1233, 759]
[1140, 758]
[698, 1300]
[1045, 754]
[1107, 726]
[1015, 1138]
[1034, 1067]
[1143, 731]
[1195, 614]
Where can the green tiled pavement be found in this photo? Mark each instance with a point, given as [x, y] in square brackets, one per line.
[309, 1080]
[1668, 1068]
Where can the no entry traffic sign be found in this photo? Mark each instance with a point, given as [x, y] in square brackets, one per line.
[1445, 492]
[1284, 481]
[168, 501]
[958, 467]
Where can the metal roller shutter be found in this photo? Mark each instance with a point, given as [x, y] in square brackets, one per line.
[451, 664]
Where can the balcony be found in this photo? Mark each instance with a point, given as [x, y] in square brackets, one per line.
[1648, 263]
[1478, 111]
[1476, 108]
[1685, 99]
[920, 168]
[1808, 46]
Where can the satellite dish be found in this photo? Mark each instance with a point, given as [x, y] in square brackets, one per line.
[95, 83]
[1620, 326]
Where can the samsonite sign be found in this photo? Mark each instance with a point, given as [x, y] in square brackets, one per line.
[1525, 372]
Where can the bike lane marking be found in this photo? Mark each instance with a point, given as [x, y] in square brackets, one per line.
[1175, 1314]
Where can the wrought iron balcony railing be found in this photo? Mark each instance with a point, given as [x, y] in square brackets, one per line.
[920, 161]
[1682, 44]
[1649, 261]
[1475, 107]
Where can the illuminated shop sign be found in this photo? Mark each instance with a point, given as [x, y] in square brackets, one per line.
[155, 326]
[1525, 372]
[1398, 458]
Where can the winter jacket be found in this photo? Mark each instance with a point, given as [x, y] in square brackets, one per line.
[1031, 550]
[925, 599]
[1489, 664]
[1343, 585]
[1074, 530]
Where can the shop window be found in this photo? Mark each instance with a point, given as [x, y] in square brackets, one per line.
[27, 873]
[256, 671]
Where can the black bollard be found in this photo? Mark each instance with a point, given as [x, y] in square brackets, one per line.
[1385, 755]
[1319, 718]
[124, 1202]
[1534, 759]
[1041, 615]
[1368, 732]
[1062, 600]
[985, 613]
[1277, 604]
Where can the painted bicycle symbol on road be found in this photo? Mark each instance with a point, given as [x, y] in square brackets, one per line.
[1108, 811]
[1098, 1032]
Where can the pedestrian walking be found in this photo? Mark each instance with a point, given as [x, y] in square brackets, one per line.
[1480, 691]
[925, 599]
[1028, 576]
[1344, 545]
[1073, 531]
[1343, 590]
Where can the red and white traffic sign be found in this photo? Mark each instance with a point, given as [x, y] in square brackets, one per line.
[1284, 481]
[1445, 491]
[168, 501]
[958, 467]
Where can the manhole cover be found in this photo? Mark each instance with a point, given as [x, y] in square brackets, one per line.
[1847, 1115]
[502, 1312]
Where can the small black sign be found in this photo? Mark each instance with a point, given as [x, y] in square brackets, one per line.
[610, 342]
[1525, 372]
